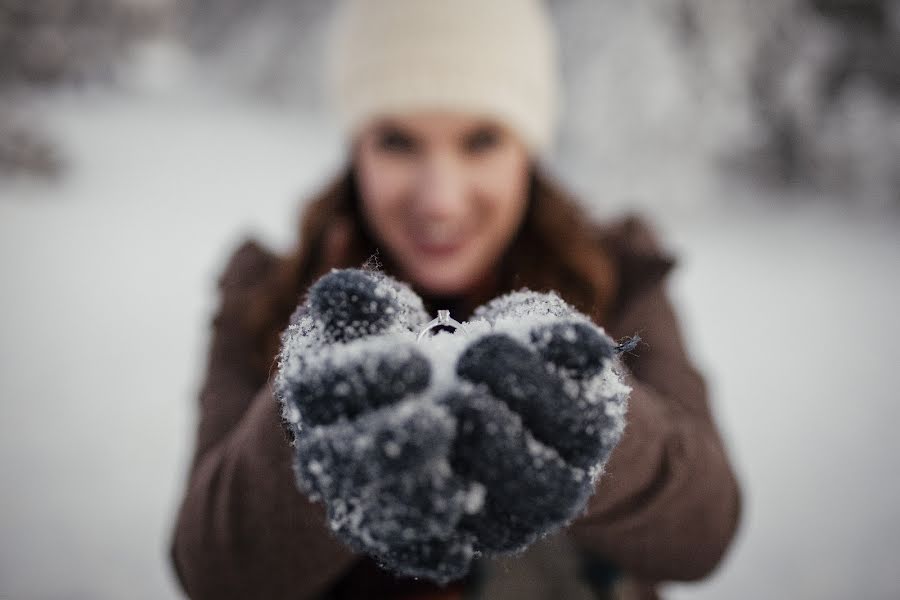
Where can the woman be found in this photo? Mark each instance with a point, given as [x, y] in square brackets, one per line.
[447, 108]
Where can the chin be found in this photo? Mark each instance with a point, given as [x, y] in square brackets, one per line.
[441, 287]
[442, 284]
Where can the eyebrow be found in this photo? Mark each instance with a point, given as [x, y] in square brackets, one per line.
[489, 126]
[388, 123]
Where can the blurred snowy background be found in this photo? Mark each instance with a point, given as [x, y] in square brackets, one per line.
[141, 139]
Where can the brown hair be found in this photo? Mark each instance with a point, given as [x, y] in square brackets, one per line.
[556, 248]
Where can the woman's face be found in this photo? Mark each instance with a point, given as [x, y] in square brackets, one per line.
[443, 193]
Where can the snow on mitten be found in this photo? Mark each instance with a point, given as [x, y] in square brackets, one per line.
[547, 406]
[428, 454]
[368, 442]
[584, 358]
[319, 378]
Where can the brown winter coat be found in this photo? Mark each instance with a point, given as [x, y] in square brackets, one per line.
[666, 509]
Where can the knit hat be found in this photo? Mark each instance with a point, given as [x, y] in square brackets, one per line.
[494, 58]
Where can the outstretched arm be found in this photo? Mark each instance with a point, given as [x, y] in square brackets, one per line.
[669, 504]
[244, 530]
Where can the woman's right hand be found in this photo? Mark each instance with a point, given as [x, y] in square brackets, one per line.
[351, 381]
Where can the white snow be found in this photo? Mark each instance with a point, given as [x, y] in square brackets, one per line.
[524, 304]
[108, 288]
[475, 497]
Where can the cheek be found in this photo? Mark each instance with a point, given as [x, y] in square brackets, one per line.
[384, 187]
[503, 187]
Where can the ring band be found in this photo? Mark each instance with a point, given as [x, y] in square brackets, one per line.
[443, 320]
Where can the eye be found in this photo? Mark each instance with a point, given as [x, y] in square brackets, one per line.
[394, 140]
[482, 139]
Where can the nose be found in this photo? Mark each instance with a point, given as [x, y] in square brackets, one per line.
[441, 190]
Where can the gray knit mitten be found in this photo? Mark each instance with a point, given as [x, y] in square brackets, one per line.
[428, 454]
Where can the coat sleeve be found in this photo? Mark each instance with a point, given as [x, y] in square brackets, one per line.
[243, 529]
[669, 503]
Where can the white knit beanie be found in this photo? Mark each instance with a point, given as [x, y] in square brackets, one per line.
[493, 58]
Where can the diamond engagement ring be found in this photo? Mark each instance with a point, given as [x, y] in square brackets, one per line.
[443, 320]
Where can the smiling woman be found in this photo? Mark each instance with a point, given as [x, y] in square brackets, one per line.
[447, 108]
[444, 194]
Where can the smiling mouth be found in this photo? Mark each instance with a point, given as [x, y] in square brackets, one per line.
[437, 241]
[435, 248]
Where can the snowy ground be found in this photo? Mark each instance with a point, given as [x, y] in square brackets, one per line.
[108, 286]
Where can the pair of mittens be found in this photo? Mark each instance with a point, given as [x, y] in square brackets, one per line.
[428, 454]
